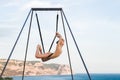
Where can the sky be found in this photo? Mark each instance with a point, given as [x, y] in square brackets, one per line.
[94, 23]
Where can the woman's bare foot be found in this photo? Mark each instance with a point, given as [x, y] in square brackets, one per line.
[39, 47]
[38, 51]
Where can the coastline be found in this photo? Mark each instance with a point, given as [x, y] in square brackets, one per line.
[33, 68]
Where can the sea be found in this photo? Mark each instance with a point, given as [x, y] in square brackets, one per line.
[68, 77]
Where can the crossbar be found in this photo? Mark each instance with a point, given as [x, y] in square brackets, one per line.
[46, 9]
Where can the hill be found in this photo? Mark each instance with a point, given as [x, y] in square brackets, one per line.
[33, 68]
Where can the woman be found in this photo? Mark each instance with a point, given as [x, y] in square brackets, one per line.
[48, 55]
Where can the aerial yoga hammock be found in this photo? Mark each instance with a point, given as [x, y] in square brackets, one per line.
[45, 56]
[48, 55]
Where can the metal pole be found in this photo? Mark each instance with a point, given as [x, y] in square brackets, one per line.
[77, 46]
[27, 46]
[67, 46]
[14, 45]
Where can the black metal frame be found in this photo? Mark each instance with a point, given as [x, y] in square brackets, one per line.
[63, 17]
[46, 9]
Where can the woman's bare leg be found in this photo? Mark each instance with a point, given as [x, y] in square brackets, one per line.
[39, 54]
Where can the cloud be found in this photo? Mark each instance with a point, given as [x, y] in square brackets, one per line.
[12, 3]
[36, 4]
[7, 32]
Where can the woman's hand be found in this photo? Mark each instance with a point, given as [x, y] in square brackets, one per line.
[58, 35]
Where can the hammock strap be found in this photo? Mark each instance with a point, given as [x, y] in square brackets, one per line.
[40, 33]
[55, 34]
